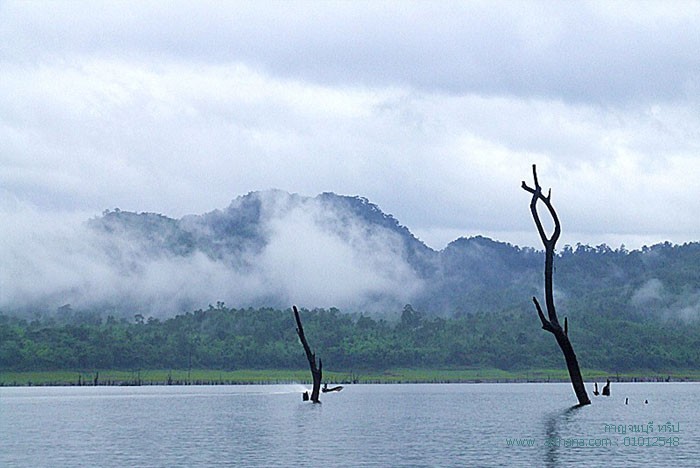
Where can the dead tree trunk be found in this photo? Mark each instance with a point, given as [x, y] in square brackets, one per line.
[551, 322]
[315, 371]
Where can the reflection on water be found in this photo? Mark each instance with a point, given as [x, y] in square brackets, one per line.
[579, 434]
[552, 442]
[364, 425]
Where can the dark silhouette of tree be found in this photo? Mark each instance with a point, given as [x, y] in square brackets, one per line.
[315, 370]
[551, 322]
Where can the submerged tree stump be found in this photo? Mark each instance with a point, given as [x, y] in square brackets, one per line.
[316, 371]
[551, 322]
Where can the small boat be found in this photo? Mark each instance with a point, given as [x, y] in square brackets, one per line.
[325, 388]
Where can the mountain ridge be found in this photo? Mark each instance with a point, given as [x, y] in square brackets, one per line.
[273, 248]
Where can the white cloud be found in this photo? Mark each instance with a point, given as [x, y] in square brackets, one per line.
[350, 268]
[54, 259]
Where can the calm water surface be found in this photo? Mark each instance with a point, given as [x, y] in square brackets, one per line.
[364, 425]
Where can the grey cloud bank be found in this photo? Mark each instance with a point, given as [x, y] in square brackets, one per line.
[572, 51]
[434, 111]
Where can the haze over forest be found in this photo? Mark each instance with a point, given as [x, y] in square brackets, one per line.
[273, 248]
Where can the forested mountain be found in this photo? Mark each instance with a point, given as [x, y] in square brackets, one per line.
[400, 303]
[273, 249]
[244, 229]
[468, 276]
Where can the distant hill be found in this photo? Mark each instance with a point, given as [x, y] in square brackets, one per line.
[290, 244]
[214, 290]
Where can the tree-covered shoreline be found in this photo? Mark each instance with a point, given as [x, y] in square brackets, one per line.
[158, 377]
[226, 339]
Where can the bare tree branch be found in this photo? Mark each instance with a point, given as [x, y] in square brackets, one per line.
[548, 242]
[551, 322]
[546, 325]
[316, 371]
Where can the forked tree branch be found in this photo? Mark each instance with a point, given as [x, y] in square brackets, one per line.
[538, 196]
[548, 242]
[551, 322]
[546, 325]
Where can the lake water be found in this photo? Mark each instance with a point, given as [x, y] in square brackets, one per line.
[364, 425]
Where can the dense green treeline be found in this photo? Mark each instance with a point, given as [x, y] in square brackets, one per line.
[229, 339]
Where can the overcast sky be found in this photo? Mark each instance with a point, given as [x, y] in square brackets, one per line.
[434, 111]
